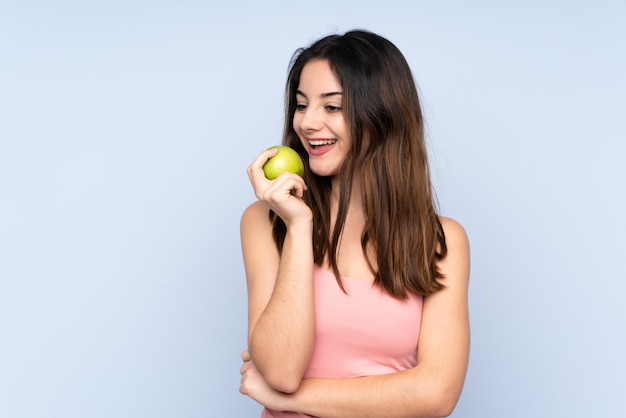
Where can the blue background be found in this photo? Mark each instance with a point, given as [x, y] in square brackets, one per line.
[125, 130]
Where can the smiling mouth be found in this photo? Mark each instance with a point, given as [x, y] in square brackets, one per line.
[318, 143]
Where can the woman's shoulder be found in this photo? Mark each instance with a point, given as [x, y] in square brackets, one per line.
[452, 228]
[256, 217]
[255, 209]
[457, 241]
[257, 238]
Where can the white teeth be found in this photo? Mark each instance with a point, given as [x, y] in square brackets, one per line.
[317, 142]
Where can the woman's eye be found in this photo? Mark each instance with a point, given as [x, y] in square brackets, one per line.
[333, 109]
[300, 107]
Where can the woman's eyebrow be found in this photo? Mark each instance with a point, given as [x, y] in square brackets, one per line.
[323, 95]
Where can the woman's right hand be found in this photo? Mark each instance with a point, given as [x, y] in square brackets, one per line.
[283, 194]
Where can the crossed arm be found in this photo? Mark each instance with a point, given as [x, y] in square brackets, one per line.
[430, 389]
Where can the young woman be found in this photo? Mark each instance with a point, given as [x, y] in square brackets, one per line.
[357, 288]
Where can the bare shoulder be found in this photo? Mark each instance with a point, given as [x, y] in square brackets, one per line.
[255, 215]
[257, 239]
[457, 259]
[454, 232]
[256, 226]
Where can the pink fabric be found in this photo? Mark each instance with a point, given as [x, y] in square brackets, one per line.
[362, 333]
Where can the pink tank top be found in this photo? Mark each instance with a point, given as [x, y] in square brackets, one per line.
[362, 333]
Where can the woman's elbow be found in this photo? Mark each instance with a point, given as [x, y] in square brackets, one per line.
[281, 377]
[443, 410]
[444, 402]
[284, 382]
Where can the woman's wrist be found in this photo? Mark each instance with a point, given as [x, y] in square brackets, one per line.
[303, 226]
[291, 402]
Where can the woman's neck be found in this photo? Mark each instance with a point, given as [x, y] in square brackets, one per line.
[356, 204]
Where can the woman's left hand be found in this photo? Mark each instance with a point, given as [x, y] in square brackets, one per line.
[254, 385]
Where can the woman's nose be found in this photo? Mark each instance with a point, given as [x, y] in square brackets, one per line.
[310, 121]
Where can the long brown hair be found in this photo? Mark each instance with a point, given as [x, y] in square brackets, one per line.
[382, 109]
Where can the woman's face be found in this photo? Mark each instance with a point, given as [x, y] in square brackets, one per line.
[319, 120]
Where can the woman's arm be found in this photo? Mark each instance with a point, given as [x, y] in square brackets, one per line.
[430, 389]
[280, 288]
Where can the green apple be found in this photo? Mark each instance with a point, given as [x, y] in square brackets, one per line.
[287, 159]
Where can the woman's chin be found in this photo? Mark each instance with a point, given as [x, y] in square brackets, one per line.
[324, 171]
